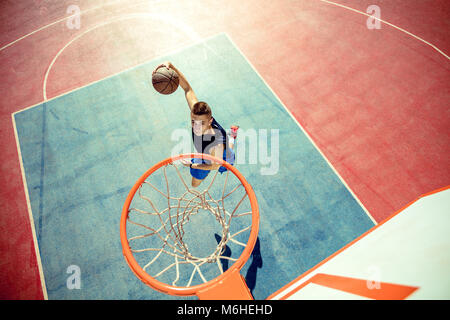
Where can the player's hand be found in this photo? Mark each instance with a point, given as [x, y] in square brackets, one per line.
[167, 65]
[186, 162]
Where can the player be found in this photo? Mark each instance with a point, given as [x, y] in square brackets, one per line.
[207, 134]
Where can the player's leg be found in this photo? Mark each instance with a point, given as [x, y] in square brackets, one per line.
[198, 175]
[196, 182]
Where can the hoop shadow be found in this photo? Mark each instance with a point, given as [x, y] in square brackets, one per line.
[257, 262]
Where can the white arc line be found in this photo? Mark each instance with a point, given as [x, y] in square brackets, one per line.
[71, 16]
[164, 19]
[389, 24]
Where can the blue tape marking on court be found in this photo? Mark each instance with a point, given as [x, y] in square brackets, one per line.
[83, 151]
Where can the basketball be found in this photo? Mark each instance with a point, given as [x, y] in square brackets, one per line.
[165, 80]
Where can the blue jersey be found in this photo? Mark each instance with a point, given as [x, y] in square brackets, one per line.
[205, 142]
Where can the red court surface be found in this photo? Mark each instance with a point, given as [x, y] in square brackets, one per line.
[375, 102]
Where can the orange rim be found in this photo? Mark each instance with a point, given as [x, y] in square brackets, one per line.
[188, 291]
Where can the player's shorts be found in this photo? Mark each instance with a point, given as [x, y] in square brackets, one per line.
[202, 174]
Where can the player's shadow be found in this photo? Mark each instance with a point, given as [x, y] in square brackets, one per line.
[257, 262]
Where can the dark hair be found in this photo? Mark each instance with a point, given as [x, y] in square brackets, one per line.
[201, 108]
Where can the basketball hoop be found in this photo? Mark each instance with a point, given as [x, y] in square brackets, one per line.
[165, 223]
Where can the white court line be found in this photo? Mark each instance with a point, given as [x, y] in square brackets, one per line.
[124, 17]
[156, 1]
[122, 71]
[53, 23]
[30, 214]
[389, 24]
[306, 134]
[73, 15]
[191, 33]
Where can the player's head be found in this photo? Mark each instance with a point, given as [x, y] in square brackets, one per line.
[201, 117]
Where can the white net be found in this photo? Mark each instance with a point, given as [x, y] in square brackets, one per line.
[185, 236]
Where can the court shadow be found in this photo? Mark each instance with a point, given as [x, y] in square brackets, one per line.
[226, 253]
[257, 263]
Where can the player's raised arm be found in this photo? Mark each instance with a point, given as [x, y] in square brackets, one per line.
[191, 98]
